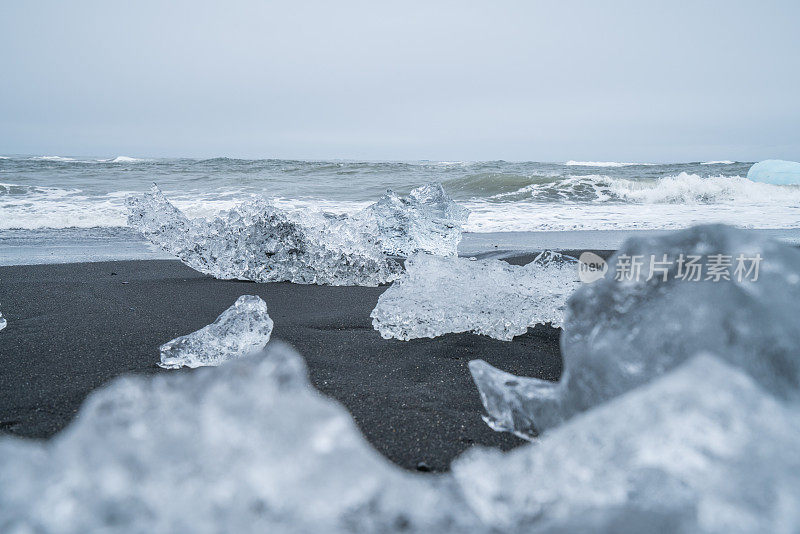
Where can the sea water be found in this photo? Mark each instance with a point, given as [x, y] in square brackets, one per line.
[60, 208]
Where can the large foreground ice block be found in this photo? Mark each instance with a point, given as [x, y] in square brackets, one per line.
[702, 449]
[775, 171]
[250, 447]
[258, 241]
[439, 295]
[622, 331]
[245, 447]
[239, 331]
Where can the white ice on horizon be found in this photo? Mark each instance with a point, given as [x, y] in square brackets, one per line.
[621, 334]
[436, 296]
[239, 331]
[775, 171]
[259, 241]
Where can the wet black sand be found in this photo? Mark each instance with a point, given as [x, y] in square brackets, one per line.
[73, 327]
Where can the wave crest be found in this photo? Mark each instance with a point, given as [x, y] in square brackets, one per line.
[683, 188]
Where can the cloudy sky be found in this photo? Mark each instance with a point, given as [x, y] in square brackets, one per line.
[544, 81]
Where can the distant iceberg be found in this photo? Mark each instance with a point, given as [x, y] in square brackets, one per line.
[620, 334]
[719, 162]
[239, 331]
[259, 241]
[437, 295]
[775, 171]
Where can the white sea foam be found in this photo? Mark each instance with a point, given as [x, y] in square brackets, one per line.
[123, 159]
[52, 158]
[602, 164]
[682, 188]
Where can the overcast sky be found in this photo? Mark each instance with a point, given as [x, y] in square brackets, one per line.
[544, 81]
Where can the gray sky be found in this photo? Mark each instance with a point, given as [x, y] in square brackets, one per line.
[546, 81]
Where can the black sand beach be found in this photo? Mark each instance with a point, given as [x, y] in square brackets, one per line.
[73, 327]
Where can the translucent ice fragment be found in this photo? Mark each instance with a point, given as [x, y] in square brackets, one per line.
[775, 171]
[428, 220]
[240, 330]
[258, 241]
[245, 447]
[439, 295]
[623, 331]
[701, 449]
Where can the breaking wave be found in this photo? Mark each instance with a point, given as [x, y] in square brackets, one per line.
[679, 189]
[603, 164]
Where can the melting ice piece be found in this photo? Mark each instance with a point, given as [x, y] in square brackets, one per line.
[439, 295]
[620, 334]
[240, 330]
[702, 449]
[3, 321]
[251, 447]
[775, 171]
[259, 241]
[428, 220]
[245, 447]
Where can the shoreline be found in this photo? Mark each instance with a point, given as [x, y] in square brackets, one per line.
[83, 245]
[73, 327]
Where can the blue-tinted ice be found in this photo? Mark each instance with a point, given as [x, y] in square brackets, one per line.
[775, 171]
[619, 335]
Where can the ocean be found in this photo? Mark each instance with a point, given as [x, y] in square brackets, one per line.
[52, 202]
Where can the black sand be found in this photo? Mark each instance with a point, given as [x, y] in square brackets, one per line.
[74, 327]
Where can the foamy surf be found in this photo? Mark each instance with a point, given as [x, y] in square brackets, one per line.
[602, 164]
[39, 194]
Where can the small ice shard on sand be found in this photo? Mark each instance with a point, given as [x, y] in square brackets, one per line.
[247, 447]
[775, 171]
[703, 448]
[3, 321]
[259, 241]
[239, 331]
[439, 295]
[619, 334]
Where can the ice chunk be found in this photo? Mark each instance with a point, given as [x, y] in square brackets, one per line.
[775, 171]
[259, 241]
[245, 447]
[439, 295]
[620, 334]
[701, 449]
[3, 321]
[428, 220]
[250, 447]
[240, 330]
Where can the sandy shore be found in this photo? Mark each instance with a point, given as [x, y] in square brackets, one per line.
[73, 327]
